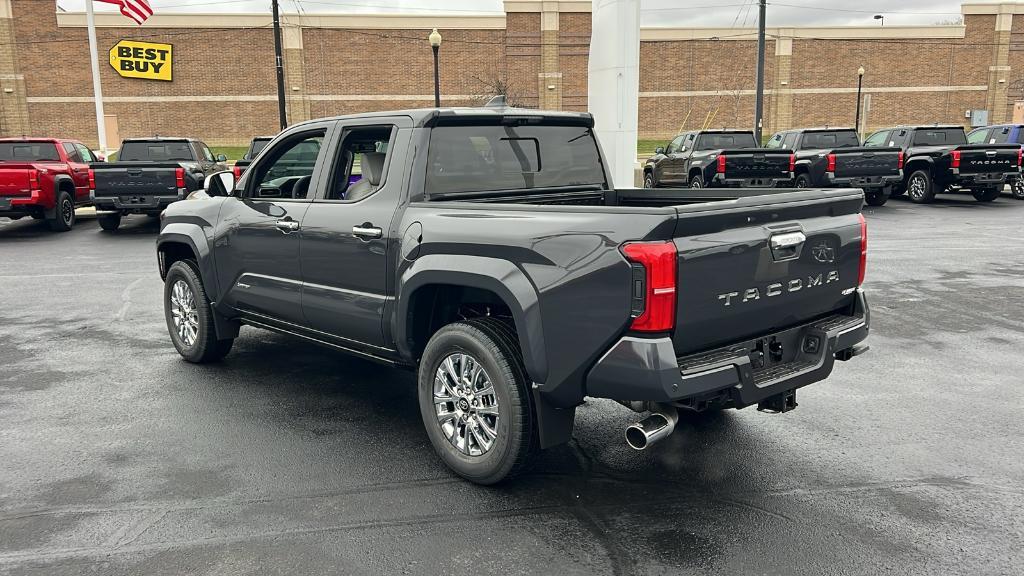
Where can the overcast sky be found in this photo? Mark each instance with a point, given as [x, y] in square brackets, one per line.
[654, 12]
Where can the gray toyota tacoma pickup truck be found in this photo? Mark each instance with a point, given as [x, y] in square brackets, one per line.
[487, 249]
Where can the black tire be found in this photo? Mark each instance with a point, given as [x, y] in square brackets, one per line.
[1017, 189]
[109, 222]
[204, 347]
[802, 180]
[493, 344]
[696, 181]
[987, 194]
[876, 197]
[921, 187]
[897, 191]
[649, 180]
[63, 212]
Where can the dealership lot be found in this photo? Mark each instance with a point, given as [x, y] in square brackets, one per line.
[121, 458]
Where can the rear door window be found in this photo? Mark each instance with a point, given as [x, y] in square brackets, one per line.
[981, 136]
[72, 152]
[878, 139]
[775, 141]
[501, 158]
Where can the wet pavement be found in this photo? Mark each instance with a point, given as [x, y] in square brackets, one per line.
[117, 457]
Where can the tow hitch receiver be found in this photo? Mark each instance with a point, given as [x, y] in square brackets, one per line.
[779, 403]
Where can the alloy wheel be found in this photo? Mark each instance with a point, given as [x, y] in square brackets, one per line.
[67, 211]
[183, 312]
[465, 404]
[916, 188]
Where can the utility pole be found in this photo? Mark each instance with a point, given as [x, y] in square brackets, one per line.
[283, 115]
[97, 92]
[759, 99]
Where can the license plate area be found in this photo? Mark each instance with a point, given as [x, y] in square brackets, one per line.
[5, 203]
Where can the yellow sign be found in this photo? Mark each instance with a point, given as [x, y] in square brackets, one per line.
[145, 60]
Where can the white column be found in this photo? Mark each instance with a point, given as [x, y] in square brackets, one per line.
[101, 128]
[614, 83]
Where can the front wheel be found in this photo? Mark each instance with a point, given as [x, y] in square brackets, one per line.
[189, 316]
[987, 194]
[109, 222]
[1017, 189]
[474, 400]
[649, 180]
[63, 213]
[920, 187]
[697, 181]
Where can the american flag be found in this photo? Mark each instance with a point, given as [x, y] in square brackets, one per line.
[137, 10]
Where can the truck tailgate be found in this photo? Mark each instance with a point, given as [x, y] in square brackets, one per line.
[135, 179]
[861, 162]
[765, 263]
[756, 163]
[988, 158]
[14, 180]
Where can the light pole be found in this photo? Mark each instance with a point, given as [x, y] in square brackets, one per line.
[880, 17]
[435, 45]
[860, 82]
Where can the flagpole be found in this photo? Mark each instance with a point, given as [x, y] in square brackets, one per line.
[101, 128]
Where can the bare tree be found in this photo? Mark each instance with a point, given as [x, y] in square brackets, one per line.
[495, 85]
[959, 20]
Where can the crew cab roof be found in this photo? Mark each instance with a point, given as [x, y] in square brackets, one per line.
[822, 129]
[430, 116]
[29, 139]
[160, 139]
[924, 126]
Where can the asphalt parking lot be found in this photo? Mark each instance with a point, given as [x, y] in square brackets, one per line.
[117, 457]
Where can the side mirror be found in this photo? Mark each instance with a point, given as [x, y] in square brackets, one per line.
[222, 158]
[659, 150]
[219, 183]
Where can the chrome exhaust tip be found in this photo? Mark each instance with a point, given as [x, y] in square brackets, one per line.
[658, 426]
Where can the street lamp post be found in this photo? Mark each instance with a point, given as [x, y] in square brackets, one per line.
[880, 17]
[435, 45]
[860, 82]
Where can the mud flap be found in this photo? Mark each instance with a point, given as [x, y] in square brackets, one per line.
[554, 425]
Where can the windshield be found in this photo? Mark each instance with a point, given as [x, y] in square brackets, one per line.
[939, 136]
[822, 140]
[493, 158]
[721, 141]
[29, 152]
[155, 152]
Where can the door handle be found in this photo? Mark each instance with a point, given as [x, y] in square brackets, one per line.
[367, 231]
[287, 225]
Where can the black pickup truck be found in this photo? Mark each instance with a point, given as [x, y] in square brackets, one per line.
[256, 145]
[938, 159]
[711, 158]
[831, 157]
[486, 249]
[149, 174]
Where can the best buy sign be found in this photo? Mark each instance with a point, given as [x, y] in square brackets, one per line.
[145, 60]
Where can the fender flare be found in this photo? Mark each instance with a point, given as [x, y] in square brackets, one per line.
[915, 160]
[57, 180]
[501, 277]
[192, 236]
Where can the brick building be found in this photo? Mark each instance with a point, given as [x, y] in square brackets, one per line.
[224, 84]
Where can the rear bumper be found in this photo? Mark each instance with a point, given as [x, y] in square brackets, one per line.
[25, 205]
[864, 181]
[721, 180]
[637, 369]
[983, 179]
[135, 203]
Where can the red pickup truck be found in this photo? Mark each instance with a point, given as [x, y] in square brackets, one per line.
[45, 178]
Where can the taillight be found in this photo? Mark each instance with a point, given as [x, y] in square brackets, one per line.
[721, 164]
[238, 172]
[179, 177]
[899, 160]
[831, 163]
[654, 285]
[33, 179]
[863, 249]
[92, 179]
[956, 159]
[792, 162]
[1020, 156]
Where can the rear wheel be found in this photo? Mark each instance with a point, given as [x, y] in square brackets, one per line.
[989, 194]
[189, 316]
[109, 222]
[474, 400]
[1017, 189]
[696, 181]
[920, 187]
[802, 181]
[63, 213]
